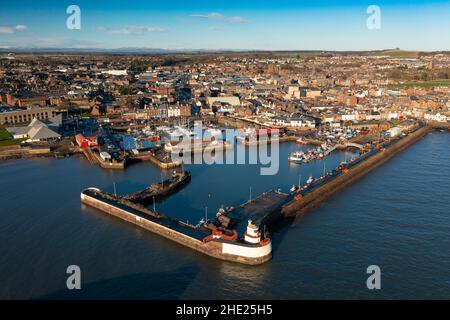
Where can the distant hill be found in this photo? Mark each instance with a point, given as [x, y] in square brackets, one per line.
[395, 53]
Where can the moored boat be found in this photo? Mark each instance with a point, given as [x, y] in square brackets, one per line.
[296, 157]
[160, 190]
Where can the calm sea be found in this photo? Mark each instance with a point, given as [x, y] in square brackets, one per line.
[397, 217]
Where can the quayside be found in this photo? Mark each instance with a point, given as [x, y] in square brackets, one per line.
[208, 237]
[240, 234]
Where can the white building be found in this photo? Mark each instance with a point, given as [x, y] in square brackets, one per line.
[115, 72]
[435, 117]
[173, 112]
[348, 117]
[231, 100]
[295, 120]
[392, 116]
[37, 130]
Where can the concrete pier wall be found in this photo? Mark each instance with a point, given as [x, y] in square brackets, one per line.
[439, 125]
[213, 248]
[322, 193]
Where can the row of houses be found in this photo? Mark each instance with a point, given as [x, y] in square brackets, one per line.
[162, 112]
[295, 120]
[436, 117]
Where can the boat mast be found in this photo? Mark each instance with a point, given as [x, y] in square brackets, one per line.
[115, 193]
[324, 168]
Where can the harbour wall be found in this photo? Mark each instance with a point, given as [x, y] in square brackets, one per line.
[216, 248]
[161, 164]
[322, 193]
[439, 125]
[18, 152]
[94, 158]
[237, 122]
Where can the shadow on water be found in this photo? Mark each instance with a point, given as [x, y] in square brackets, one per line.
[157, 285]
[279, 229]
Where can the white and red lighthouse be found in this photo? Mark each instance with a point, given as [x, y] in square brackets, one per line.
[252, 235]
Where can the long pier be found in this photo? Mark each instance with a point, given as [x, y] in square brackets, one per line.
[325, 191]
[200, 239]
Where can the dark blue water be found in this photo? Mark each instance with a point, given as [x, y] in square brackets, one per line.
[397, 217]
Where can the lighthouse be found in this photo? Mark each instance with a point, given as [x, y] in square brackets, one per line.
[252, 235]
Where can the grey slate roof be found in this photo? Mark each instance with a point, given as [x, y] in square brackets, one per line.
[38, 130]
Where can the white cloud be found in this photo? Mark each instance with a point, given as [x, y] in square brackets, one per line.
[11, 30]
[219, 16]
[132, 30]
[6, 30]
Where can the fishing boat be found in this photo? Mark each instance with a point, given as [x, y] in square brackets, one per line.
[160, 190]
[213, 132]
[300, 141]
[296, 157]
[221, 211]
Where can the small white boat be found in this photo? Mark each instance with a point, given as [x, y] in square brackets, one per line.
[296, 157]
[220, 212]
[310, 180]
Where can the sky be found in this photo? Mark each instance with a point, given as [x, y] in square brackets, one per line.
[227, 25]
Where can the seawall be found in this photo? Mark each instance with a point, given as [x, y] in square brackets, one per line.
[439, 125]
[218, 249]
[324, 192]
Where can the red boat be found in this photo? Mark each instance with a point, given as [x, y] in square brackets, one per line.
[300, 141]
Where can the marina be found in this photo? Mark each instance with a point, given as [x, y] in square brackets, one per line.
[335, 235]
[234, 227]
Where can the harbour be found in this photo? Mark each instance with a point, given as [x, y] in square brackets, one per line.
[211, 152]
[249, 243]
[336, 235]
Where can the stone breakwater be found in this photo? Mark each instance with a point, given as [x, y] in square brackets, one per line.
[324, 192]
[223, 250]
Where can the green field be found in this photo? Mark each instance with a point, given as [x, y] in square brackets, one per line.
[422, 84]
[6, 139]
[401, 54]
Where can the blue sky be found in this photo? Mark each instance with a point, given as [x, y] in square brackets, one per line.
[260, 25]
